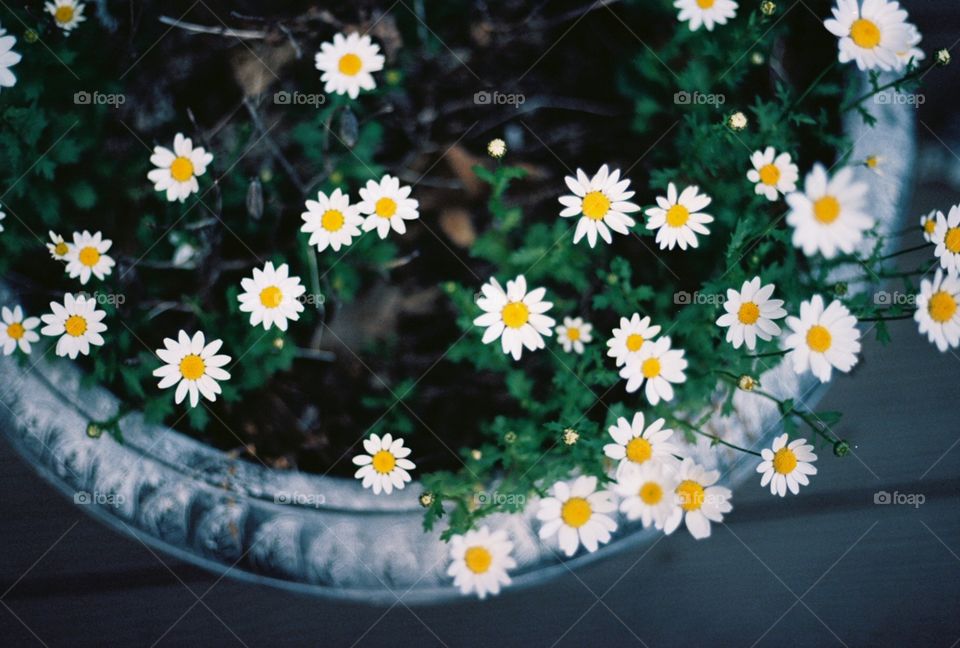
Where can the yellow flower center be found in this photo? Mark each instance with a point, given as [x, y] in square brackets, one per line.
[634, 342]
[826, 209]
[595, 205]
[181, 169]
[573, 334]
[749, 313]
[819, 338]
[872, 161]
[650, 368]
[515, 314]
[384, 462]
[770, 174]
[350, 64]
[930, 225]
[677, 216]
[15, 331]
[942, 306]
[386, 207]
[60, 248]
[639, 450]
[691, 495]
[952, 240]
[192, 367]
[576, 512]
[784, 461]
[271, 296]
[332, 220]
[63, 15]
[75, 325]
[651, 493]
[478, 559]
[705, 4]
[865, 33]
[89, 256]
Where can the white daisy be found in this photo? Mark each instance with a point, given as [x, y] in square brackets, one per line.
[750, 314]
[823, 338]
[705, 12]
[946, 235]
[177, 170]
[937, 314]
[773, 174]
[870, 35]
[515, 316]
[576, 514]
[913, 53]
[78, 323]
[658, 365]
[574, 333]
[647, 493]
[347, 64]
[59, 248]
[636, 446]
[331, 221]
[829, 215]
[678, 219]
[87, 256]
[2, 216]
[387, 205]
[699, 501]
[928, 224]
[17, 331]
[787, 466]
[66, 13]
[629, 339]
[8, 58]
[193, 366]
[480, 560]
[385, 465]
[272, 297]
[601, 203]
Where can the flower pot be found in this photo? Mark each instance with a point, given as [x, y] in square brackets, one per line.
[328, 536]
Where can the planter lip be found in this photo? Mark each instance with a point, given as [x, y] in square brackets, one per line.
[227, 515]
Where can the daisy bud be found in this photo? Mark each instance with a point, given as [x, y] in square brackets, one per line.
[747, 383]
[393, 77]
[841, 448]
[737, 121]
[840, 289]
[570, 436]
[497, 148]
[943, 57]
[768, 8]
[757, 58]
[476, 454]
[510, 437]
[426, 499]
[278, 343]
[32, 37]
[94, 431]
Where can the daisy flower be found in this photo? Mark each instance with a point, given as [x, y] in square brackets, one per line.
[678, 219]
[2, 216]
[87, 256]
[628, 340]
[937, 314]
[387, 205]
[829, 214]
[271, 297]
[515, 316]
[177, 170]
[17, 331]
[66, 13]
[658, 365]
[914, 53]
[946, 235]
[705, 12]
[870, 35]
[576, 514]
[823, 338]
[385, 465]
[574, 333]
[928, 224]
[773, 174]
[636, 446]
[8, 58]
[601, 203]
[331, 221]
[786, 466]
[78, 323]
[347, 64]
[59, 249]
[750, 314]
[480, 560]
[193, 366]
[699, 501]
[647, 493]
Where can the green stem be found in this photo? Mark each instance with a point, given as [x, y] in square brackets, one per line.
[905, 251]
[882, 318]
[814, 84]
[916, 73]
[717, 439]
